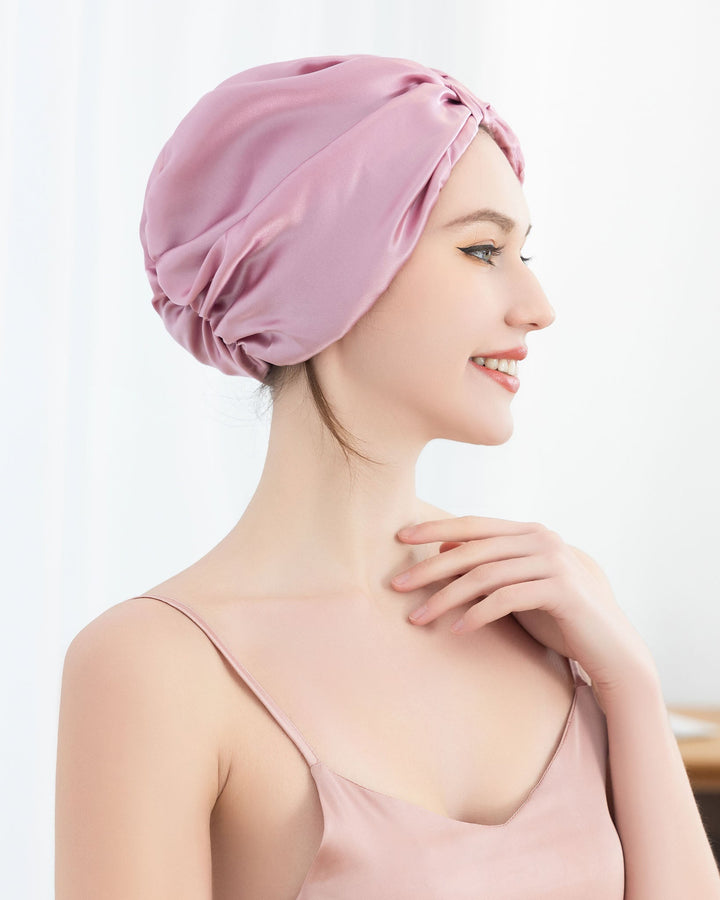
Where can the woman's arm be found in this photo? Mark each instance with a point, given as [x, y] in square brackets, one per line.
[137, 761]
[667, 852]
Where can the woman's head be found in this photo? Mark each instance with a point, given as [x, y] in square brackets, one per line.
[456, 297]
[290, 196]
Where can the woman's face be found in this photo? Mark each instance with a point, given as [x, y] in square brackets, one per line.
[406, 362]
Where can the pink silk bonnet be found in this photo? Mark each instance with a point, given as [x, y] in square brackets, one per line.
[290, 195]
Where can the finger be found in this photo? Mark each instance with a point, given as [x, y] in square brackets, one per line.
[482, 582]
[464, 528]
[511, 598]
[467, 555]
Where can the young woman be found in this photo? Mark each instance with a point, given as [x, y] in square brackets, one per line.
[277, 721]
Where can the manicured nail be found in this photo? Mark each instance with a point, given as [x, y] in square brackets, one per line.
[401, 579]
[457, 626]
[418, 613]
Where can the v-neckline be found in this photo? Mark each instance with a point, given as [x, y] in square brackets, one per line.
[294, 733]
[408, 804]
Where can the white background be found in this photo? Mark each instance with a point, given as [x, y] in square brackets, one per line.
[124, 459]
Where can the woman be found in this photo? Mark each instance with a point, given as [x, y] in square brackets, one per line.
[271, 722]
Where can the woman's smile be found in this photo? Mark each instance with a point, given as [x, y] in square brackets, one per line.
[508, 381]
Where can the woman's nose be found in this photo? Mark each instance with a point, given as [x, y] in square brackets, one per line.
[532, 306]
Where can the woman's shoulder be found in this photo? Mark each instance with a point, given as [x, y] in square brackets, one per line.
[140, 646]
[136, 626]
[139, 758]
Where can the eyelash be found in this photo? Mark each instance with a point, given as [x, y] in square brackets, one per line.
[494, 251]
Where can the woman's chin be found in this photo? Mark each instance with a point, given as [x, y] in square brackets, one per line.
[493, 438]
[486, 433]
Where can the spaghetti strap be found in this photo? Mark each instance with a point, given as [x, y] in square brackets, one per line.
[280, 717]
[580, 675]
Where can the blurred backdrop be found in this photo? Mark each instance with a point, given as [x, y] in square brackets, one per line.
[124, 459]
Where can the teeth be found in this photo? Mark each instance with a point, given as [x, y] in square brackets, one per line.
[509, 366]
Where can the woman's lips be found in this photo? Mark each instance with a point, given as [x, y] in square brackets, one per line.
[509, 382]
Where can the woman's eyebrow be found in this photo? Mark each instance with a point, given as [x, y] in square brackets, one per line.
[486, 215]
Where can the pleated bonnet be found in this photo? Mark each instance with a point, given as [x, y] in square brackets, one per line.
[290, 195]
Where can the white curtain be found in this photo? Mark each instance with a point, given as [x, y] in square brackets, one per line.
[124, 460]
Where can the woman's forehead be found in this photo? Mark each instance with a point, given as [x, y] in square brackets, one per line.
[481, 179]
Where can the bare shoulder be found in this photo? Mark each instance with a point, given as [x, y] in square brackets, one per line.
[146, 635]
[138, 769]
[145, 647]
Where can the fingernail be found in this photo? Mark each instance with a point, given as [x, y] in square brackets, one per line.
[401, 579]
[418, 613]
[457, 626]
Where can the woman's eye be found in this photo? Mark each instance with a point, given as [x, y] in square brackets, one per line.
[488, 249]
[491, 250]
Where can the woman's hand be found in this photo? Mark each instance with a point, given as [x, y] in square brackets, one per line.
[556, 592]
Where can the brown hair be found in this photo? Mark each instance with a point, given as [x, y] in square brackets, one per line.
[280, 376]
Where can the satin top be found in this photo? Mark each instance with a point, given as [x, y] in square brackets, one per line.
[560, 844]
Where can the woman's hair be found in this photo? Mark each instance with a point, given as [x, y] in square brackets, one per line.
[279, 376]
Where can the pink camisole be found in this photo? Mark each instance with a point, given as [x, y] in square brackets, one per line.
[561, 844]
